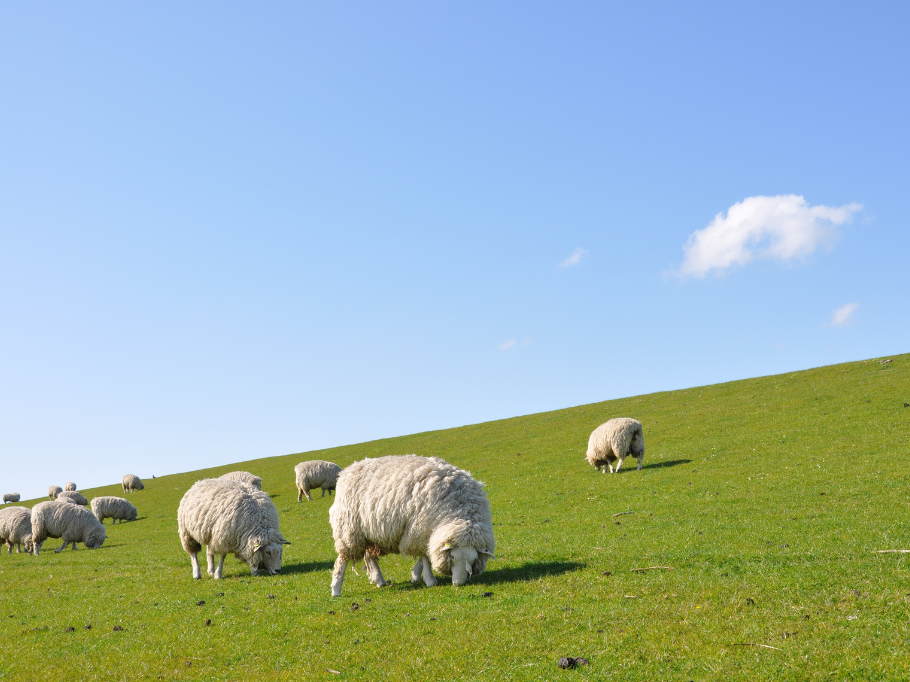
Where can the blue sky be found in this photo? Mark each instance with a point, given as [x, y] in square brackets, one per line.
[231, 231]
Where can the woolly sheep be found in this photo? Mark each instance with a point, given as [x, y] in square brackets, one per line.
[314, 474]
[78, 498]
[10, 497]
[244, 477]
[69, 486]
[53, 491]
[65, 499]
[230, 517]
[16, 528]
[68, 521]
[613, 441]
[411, 505]
[132, 482]
[116, 508]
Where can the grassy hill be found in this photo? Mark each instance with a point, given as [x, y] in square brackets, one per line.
[767, 497]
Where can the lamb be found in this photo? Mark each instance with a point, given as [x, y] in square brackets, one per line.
[69, 486]
[10, 497]
[16, 528]
[230, 517]
[132, 482]
[244, 477]
[53, 491]
[613, 441]
[314, 474]
[411, 505]
[115, 508]
[68, 521]
[78, 498]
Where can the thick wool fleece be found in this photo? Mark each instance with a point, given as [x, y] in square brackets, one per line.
[244, 477]
[16, 528]
[68, 521]
[316, 473]
[132, 482]
[229, 517]
[411, 505]
[116, 508]
[615, 440]
[53, 491]
[69, 486]
[10, 497]
[78, 498]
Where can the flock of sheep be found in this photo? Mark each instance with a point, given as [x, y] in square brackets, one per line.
[421, 507]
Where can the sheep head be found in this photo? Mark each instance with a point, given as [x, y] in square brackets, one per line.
[265, 554]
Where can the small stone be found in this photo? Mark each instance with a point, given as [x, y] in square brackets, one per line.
[606, 573]
[200, 603]
[208, 621]
[70, 629]
[117, 628]
[331, 613]
[487, 594]
[88, 627]
[568, 662]
[432, 619]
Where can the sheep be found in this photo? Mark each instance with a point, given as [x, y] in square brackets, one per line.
[65, 499]
[613, 441]
[411, 505]
[132, 482]
[115, 508]
[68, 521]
[230, 517]
[69, 486]
[16, 529]
[244, 477]
[53, 491]
[78, 498]
[10, 497]
[314, 474]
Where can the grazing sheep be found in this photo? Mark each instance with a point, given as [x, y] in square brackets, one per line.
[68, 521]
[314, 474]
[78, 498]
[53, 491]
[230, 517]
[132, 482]
[416, 506]
[16, 528]
[116, 508]
[10, 497]
[613, 441]
[244, 477]
[69, 486]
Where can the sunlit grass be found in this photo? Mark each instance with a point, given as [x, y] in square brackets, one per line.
[766, 498]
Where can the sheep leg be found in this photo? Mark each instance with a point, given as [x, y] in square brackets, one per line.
[9, 546]
[619, 464]
[38, 547]
[338, 576]
[307, 493]
[299, 494]
[428, 578]
[194, 559]
[417, 571]
[219, 572]
[61, 547]
[323, 493]
[74, 547]
[640, 457]
[373, 570]
[210, 560]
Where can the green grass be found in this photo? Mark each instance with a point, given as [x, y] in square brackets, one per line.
[766, 496]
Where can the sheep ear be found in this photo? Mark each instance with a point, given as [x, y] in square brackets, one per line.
[285, 543]
[467, 565]
[488, 553]
[446, 547]
[256, 547]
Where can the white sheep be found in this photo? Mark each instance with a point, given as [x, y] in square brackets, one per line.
[10, 497]
[66, 499]
[78, 498]
[316, 473]
[68, 521]
[53, 491]
[613, 441]
[244, 477]
[69, 486]
[416, 506]
[132, 482]
[230, 517]
[115, 508]
[16, 528]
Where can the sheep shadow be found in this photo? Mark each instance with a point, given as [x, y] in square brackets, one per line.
[307, 567]
[531, 570]
[661, 465]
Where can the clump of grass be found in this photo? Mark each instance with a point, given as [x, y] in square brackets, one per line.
[766, 499]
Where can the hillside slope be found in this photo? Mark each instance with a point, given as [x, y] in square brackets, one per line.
[766, 498]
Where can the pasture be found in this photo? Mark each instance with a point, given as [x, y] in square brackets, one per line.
[764, 501]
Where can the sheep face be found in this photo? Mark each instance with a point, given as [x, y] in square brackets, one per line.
[131, 516]
[463, 562]
[266, 559]
[95, 539]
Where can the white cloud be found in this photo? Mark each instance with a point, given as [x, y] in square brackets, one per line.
[782, 227]
[508, 345]
[843, 316]
[574, 259]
